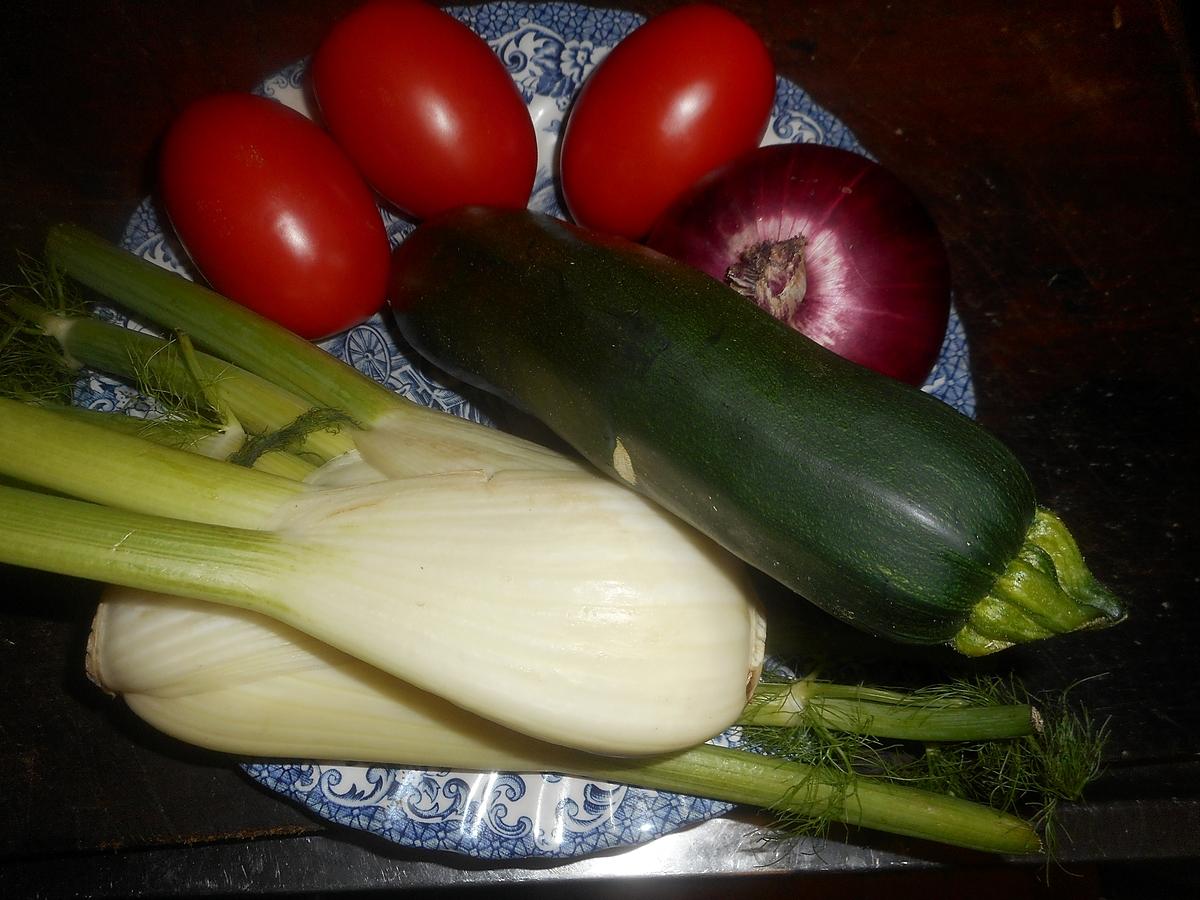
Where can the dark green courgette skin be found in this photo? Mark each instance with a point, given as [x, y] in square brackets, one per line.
[871, 499]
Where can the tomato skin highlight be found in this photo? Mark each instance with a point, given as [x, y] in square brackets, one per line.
[425, 109]
[273, 214]
[688, 91]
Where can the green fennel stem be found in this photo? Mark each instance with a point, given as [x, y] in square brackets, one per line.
[808, 791]
[257, 403]
[201, 439]
[828, 690]
[240, 336]
[71, 537]
[143, 358]
[102, 465]
[788, 704]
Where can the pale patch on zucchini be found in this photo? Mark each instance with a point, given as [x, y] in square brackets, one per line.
[622, 464]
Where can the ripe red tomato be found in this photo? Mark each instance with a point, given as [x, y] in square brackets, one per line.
[688, 91]
[425, 109]
[273, 214]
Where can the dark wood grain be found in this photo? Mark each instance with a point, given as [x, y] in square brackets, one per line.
[1057, 146]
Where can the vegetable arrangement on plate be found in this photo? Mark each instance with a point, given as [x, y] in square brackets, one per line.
[314, 546]
[278, 662]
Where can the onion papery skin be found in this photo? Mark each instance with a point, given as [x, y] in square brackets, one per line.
[878, 277]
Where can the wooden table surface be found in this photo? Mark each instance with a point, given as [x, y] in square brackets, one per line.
[1057, 145]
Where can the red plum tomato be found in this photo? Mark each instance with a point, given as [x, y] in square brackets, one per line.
[425, 109]
[686, 92]
[273, 214]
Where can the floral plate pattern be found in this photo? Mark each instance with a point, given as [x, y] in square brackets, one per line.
[549, 49]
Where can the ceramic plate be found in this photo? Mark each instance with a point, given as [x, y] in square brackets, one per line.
[549, 49]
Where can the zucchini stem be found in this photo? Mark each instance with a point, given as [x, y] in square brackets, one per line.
[1047, 589]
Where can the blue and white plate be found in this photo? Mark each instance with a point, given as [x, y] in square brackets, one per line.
[549, 49]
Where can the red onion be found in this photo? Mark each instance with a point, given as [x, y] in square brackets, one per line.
[828, 241]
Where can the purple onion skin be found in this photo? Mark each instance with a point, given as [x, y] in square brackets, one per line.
[878, 278]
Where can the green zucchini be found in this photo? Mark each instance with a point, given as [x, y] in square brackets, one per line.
[871, 499]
